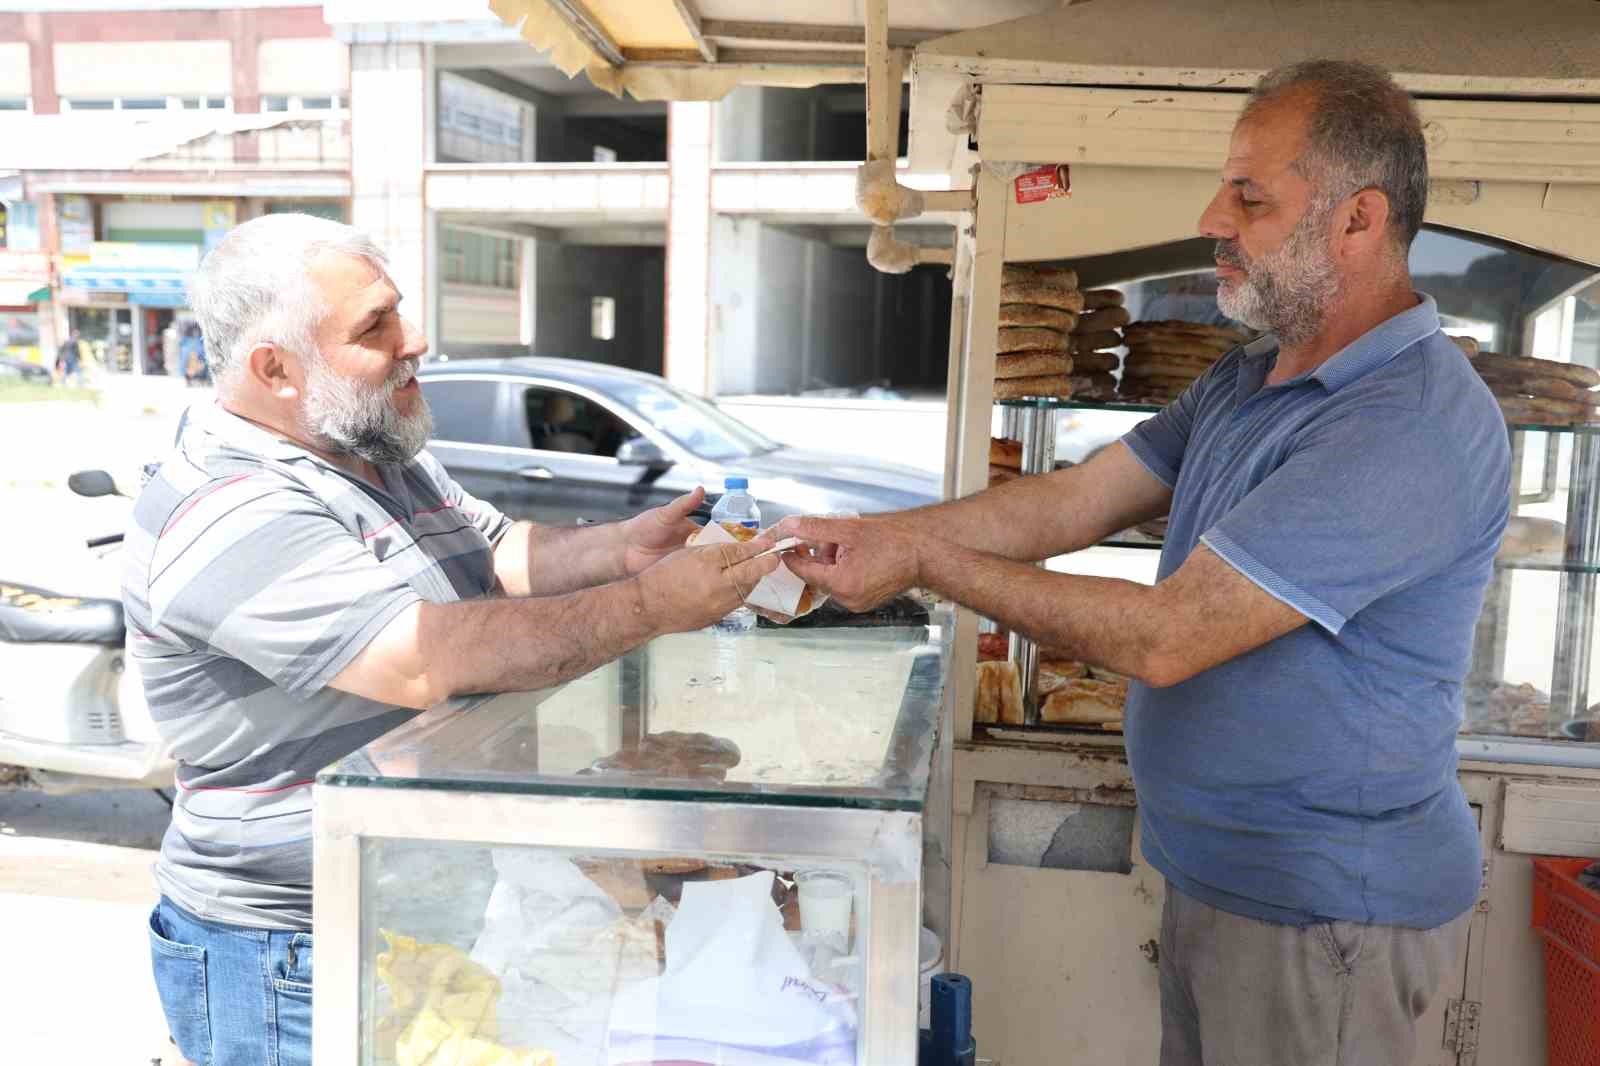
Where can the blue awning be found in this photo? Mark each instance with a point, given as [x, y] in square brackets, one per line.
[152, 287]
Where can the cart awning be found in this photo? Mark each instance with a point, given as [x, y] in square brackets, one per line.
[150, 287]
[702, 49]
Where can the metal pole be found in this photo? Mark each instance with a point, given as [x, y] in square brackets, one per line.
[1037, 428]
[1569, 687]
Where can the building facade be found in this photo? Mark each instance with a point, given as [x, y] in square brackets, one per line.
[132, 139]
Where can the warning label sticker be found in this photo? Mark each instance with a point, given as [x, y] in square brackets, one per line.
[1044, 183]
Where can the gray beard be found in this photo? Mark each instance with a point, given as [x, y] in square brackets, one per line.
[346, 418]
[1287, 291]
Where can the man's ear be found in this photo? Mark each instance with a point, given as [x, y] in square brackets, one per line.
[267, 366]
[1365, 221]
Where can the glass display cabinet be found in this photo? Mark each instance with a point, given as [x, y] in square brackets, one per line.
[709, 850]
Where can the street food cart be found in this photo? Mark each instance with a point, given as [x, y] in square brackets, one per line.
[1124, 122]
[1087, 137]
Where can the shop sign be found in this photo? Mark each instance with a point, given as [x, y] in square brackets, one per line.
[75, 223]
[25, 266]
[220, 217]
[119, 255]
[1044, 183]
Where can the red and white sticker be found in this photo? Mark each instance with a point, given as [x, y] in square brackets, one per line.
[1044, 183]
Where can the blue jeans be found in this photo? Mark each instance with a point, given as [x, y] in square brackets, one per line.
[233, 996]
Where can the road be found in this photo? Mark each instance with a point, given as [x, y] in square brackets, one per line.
[75, 883]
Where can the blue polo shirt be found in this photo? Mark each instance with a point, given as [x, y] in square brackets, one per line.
[1314, 778]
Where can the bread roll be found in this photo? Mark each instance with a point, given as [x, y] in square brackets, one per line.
[1582, 376]
[1030, 292]
[1096, 341]
[1056, 673]
[1095, 299]
[1032, 364]
[1003, 452]
[1096, 386]
[1053, 386]
[1094, 362]
[1504, 384]
[1188, 347]
[1538, 411]
[1533, 540]
[1151, 366]
[1104, 318]
[1027, 338]
[1466, 344]
[1084, 701]
[1023, 273]
[1045, 317]
[999, 696]
[1176, 327]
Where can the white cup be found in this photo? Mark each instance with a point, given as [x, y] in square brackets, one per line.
[825, 899]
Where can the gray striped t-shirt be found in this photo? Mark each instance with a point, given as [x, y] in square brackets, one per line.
[255, 572]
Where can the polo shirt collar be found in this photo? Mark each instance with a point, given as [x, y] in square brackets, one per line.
[1379, 345]
[1355, 360]
[229, 430]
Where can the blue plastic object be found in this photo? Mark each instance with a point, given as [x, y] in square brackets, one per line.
[949, 1042]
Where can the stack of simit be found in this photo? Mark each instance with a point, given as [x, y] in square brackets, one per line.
[1164, 358]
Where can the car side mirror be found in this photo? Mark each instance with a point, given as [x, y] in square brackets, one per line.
[637, 451]
[93, 483]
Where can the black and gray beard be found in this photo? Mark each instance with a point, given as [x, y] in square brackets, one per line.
[1289, 289]
[347, 418]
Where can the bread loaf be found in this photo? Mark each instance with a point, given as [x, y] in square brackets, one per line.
[1084, 701]
[1045, 317]
[1054, 386]
[1104, 318]
[1582, 376]
[1042, 295]
[1025, 273]
[1094, 362]
[1027, 338]
[1188, 347]
[1096, 341]
[1176, 327]
[1032, 364]
[999, 695]
[1094, 299]
[1003, 452]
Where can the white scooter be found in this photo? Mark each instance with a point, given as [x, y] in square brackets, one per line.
[72, 712]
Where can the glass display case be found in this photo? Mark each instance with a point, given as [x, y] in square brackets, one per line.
[1532, 693]
[709, 850]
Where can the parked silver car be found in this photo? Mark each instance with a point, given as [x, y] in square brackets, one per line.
[557, 440]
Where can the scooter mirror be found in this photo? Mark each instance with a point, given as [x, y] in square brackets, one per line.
[93, 483]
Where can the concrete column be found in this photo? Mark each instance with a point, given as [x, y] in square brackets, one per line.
[528, 289]
[41, 62]
[388, 147]
[689, 153]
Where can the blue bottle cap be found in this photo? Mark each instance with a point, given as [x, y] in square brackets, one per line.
[731, 483]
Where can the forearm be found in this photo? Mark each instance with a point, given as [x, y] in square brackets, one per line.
[1037, 517]
[538, 560]
[1108, 622]
[439, 650]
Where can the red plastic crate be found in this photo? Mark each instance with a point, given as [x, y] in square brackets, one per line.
[1567, 916]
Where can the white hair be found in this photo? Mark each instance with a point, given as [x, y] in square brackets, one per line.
[255, 287]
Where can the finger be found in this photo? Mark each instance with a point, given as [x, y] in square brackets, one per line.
[812, 572]
[818, 530]
[679, 510]
[746, 575]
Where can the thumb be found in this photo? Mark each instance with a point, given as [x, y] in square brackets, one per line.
[679, 509]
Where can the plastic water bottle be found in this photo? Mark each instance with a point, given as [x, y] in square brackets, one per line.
[738, 514]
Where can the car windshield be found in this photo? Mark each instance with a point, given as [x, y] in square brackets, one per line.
[692, 423]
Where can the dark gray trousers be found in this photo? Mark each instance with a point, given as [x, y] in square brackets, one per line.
[1241, 992]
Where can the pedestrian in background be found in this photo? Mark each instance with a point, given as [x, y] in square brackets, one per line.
[69, 361]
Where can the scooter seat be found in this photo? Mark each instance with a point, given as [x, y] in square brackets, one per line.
[31, 615]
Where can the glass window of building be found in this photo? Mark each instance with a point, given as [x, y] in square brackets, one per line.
[473, 258]
[478, 124]
[14, 103]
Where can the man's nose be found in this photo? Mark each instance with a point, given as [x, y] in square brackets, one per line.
[1216, 221]
[413, 342]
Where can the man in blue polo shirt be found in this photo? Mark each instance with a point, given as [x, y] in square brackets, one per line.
[1337, 491]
